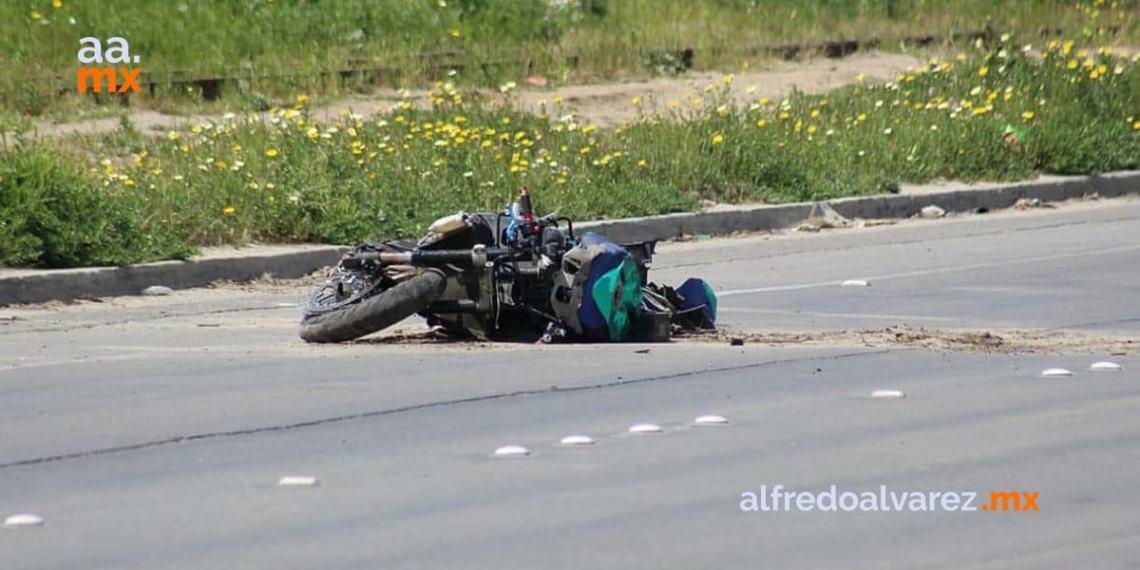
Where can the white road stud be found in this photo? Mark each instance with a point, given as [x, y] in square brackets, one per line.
[855, 283]
[888, 394]
[512, 451]
[1105, 366]
[575, 440]
[23, 520]
[710, 420]
[1055, 372]
[645, 428]
[297, 481]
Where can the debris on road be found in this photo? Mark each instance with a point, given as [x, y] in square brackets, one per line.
[821, 217]
[1031, 203]
[157, 291]
[932, 212]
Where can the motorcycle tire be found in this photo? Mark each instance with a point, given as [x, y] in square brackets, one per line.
[376, 312]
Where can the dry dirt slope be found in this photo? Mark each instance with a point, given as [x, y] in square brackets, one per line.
[602, 104]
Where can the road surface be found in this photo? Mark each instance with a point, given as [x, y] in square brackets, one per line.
[152, 432]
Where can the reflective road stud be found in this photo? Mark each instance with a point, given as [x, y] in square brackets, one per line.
[1105, 366]
[576, 440]
[512, 451]
[23, 520]
[645, 428]
[855, 283]
[888, 394]
[297, 481]
[1055, 372]
[711, 420]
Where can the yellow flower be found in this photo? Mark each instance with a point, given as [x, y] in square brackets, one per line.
[584, 150]
[643, 164]
[717, 139]
[57, 4]
[1028, 115]
[271, 153]
[36, 15]
[172, 135]
[1072, 64]
[455, 33]
[636, 101]
[761, 123]
[229, 210]
[983, 71]
[1136, 126]
[860, 78]
[811, 129]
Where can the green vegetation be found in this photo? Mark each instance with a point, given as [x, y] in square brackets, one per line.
[280, 47]
[994, 113]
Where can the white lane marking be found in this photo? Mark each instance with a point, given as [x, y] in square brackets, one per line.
[833, 315]
[934, 271]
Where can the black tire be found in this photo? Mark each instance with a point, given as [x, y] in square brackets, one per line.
[374, 313]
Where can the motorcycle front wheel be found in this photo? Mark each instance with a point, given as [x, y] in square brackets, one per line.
[374, 312]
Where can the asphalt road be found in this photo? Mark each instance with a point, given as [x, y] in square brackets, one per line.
[151, 432]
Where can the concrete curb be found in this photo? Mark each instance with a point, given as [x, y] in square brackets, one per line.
[960, 199]
[37, 286]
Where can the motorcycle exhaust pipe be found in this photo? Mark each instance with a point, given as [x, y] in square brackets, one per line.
[453, 307]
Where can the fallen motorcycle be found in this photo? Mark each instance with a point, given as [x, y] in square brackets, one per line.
[507, 275]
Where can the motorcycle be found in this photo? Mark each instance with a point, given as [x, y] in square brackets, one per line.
[506, 275]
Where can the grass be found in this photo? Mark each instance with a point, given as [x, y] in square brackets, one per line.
[279, 47]
[994, 112]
